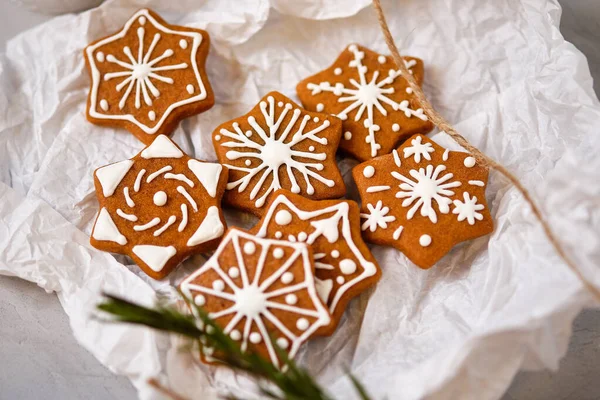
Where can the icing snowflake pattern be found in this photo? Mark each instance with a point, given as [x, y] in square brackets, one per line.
[418, 149]
[468, 209]
[377, 217]
[272, 149]
[251, 286]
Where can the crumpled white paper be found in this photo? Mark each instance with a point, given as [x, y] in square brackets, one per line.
[498, 69]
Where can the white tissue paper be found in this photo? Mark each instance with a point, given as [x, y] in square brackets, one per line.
[498, 69]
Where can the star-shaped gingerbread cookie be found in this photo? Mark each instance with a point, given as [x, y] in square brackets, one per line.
[259, 290]
[148, 76]
[278, 145]
[423, 199]
[366, 91]
[344, 264]
[159, 207]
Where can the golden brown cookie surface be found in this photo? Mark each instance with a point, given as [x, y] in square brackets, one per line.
[344, 264]
[423, 199]
[159, 207]
[279, 145]
[375, 103]
[148, 76]
[254, 287]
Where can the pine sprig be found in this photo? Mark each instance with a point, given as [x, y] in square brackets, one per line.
[289, 383]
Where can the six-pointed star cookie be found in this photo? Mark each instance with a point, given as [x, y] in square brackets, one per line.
[368, 93]
[259, 290]
[423, 199]
[344, 264]
[279, 145]
[159, 207]
[148, 76]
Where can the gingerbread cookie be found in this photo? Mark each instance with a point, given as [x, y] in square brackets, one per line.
[148, 76]
[259, 290]
[279, 145]
[344, 264]
[366, 91]
[423, 199]
[159, 207]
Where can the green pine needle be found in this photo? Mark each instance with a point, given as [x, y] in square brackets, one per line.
[289, 383]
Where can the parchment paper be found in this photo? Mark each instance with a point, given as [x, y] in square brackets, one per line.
[498, 69]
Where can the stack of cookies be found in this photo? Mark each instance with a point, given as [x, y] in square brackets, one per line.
[291, 276]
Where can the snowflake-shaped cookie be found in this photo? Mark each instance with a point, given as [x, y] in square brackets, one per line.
[148, 76]
[344, 264]
[259, 290]
[423, 199]
[278, 145]
[368, 93]
[159, 207]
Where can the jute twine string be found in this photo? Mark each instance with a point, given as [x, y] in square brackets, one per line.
[483, 159]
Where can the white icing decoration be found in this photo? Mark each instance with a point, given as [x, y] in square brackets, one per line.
[320, 107]
[278, 253]
[347, 135]
[249, 248]
[468, 209]
[156, 257]
[291, 299]
[283, 217]
[251, 296]
[106, 230]
[396, 158]
[367, 95]
[184, 218]
[287, 278]
[163, 228]
[155, 174]
[207, 173]
[179, 177]
[425, 240]
[311, 148]
[347, 266]
[477, 183]
[142, 20]
[381, 59]
[160, 198]
[138, 180]
[128, 199]
[334, 228]
[200, 300]
[395, 127]
[426, 188]
[375, 189]
[419, 149]
[111, 175]
[162, 147]
[248, 163]
[337, 71]
[183, 44]
[104, 105]
[233, 272]
[274, 151]
[155, 221]
[340, 280]
[100, 56]
[445, 155]
[369, 171]
[469, 162]
[124, 215]
[151, 115]
[409, 90]
[398, 232]
[139, 71]
[187, 196]
[190, 89]
[210, 228]
[377, 218]
[278, 235]
[302, 236]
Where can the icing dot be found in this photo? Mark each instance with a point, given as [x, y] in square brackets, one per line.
[104, 104]
[395, 127]
[283, 217]
[316, 119]
[409, 90]
[100, 56]
[287, 277]
[302, 236]
[235, 335]
[160, 198]
[217, 137]
[200, 300]
[352, 47]
[469, 162]
[282, 342]
[369, 171]
[381, 59]
[210, 329]
[248, 133]
[278, 235]
[218, 285]
[347, 135]
[347, 266]
[311, 148]
[280, 104]
[249, 248]
[302, 324]
[190, 89]
[425, 240]
[233, 272]
[337, 71]
[291, 299]
[340, 280]
[335, 254]
[320, 107]
[183, 44]
[142, 20]
[255, 337]
[152, 115]
[278, 253]
[248, 163]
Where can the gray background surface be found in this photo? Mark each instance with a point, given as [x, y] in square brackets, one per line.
[40, 359]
